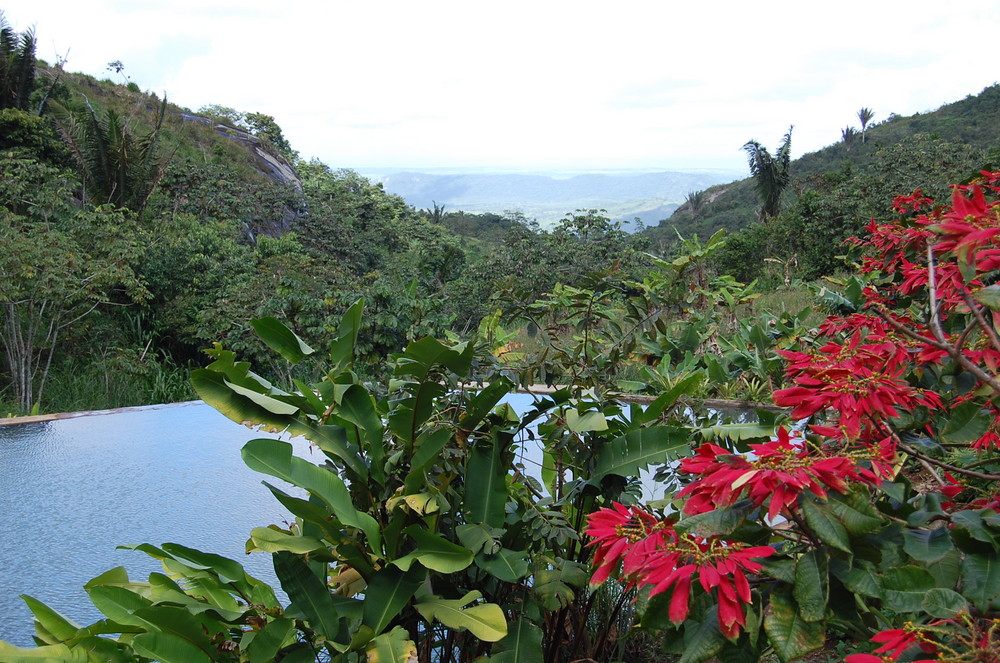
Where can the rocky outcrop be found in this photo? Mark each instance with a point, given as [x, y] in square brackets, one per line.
[266, 161]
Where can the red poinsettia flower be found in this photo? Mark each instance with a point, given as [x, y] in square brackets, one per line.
[776, 474]
[861, 381]
[667, 559]
[617, 532]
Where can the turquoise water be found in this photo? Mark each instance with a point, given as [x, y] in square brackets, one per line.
[74, 489]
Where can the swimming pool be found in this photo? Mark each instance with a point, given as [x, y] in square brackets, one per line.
[74, 489]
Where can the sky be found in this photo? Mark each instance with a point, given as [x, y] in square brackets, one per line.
[540, 85]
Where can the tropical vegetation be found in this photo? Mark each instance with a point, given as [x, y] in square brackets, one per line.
[852, 506]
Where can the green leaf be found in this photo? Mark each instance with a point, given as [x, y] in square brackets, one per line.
[392, 647]
[486, 484]
[61, 628]
[812, 585]
[824, 523]
[944, 603]
[47, 654]
[718, 522]
[981, 579]
[702, 640]
[927, 545]
[522, 644]
[118, 604]
[989, 297]
[358, 408]
[281, 339]
[790, 635]
[342, 349]
[905, 587]
[485, 621]
[168, 648]
[274, 457]
[270, 540]
[388, 593]
[592, 420]
[507, 565]
[434, 552]
[308, 593]
[855, 511]
[966, 424]
[628, 454]
[686, 386]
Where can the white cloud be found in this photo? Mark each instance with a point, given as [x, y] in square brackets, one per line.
[533, 84]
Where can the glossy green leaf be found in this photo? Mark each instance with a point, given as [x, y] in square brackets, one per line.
[981, 579]
[270, 540]
[824, 523]
[274, 457]
[281, 339]
[61, 628]
[904, 588]
[269, 640]
[392, 647]
[308, 593]
[522, 644]
[944, 603]
[927, 545]
[486, 484]
[591, 420]
[434, 552]
[855, 511]
[387, 594]
[702, 639]
[717, 522]
[485, 621]
[966, 424]
[483, 402]
[812, 585]
[168, 648]
[630, 453]
[47, 654]
[358, 408]
[507, 565]
[118, 604]
[790, 635]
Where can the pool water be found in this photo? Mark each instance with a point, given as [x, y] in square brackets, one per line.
[74, 489]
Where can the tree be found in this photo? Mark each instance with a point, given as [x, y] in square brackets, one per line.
[771, 174]
[17, 66]
[864, 116]
[58, 265]
[118, 165]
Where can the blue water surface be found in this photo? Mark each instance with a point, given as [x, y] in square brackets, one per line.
[71, 490]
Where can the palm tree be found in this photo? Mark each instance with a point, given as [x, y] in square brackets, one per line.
[864, 116]
[17, 66]
[771, 174]
[118, 166]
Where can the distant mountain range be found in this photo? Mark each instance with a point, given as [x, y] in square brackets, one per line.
[650, 196]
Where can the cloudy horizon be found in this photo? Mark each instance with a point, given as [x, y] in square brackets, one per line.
[533, 86]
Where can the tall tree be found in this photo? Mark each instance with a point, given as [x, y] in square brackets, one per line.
[771, 174]
[17, 66]
[865, 116]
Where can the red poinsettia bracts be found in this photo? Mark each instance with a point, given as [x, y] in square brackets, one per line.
[776, 473]
[666, 559]
[617, 532]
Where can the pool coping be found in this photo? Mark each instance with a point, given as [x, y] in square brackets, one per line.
[38, 418]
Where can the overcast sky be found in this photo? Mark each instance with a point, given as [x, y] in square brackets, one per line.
[535, 84]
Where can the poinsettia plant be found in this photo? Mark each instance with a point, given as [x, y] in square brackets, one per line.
[875, 516]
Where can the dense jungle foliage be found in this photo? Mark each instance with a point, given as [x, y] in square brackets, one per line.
[859, 515]
[136, 233]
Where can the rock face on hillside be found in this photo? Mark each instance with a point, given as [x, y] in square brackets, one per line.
[267, 162]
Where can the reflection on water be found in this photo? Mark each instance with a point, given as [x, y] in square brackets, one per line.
[74, 489]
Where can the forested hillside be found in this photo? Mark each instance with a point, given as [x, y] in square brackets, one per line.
[134, 233]
[832, 193]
